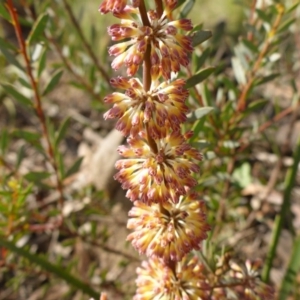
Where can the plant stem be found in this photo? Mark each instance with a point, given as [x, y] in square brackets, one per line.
[284, 213]
[143, 13]
[159, 7]
[37, 98]
[147, 70]
[241, 106]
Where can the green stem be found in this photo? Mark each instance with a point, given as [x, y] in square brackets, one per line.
[284, 213]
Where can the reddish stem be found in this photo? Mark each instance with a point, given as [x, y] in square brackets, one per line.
[37, 98]
[159, 7]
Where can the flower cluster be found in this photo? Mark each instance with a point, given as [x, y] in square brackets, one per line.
[169, 48]
[162, 107]
[169, 232]
[160, 174]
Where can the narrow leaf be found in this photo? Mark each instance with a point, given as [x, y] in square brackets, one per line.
[7, 45]
[292, 8]
[62, 132]
[74, 168]
[187, 8]
[53, 82]
[265, 79]
[29, 136]
[4, 13]
[203, 111]
[20, 156]
[199, 77]
[289, 280]
[179, 3]
[262, 15]
[202, 58]
[200, 36]
[49, 267]
[250, 45]
[11, 58]
[38, 29]
[37, 176]
[4, 139]
[9, 89]
[239, 72]
[287, 24]
[42, 62]
[200, 113]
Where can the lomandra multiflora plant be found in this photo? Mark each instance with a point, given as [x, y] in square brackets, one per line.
[168, 218]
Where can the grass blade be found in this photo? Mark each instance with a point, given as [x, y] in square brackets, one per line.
[291, 273]
[285, 209]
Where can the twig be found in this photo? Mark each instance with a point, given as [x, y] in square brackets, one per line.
[251, 20]
[37, 99]
[241, 105]
[85, 42]
[101, 245]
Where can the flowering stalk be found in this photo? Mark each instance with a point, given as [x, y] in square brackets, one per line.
[168, 219]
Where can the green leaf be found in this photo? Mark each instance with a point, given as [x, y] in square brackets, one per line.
[44, 263]
[238, 70]
[286, 25]
[4, 139]
[199, 113]
[21, 155]
[265, 79]
[4, 13]
[42, 62]
[53, 82]
[179, 3]
[200, 36]
[208, 96]
[250, 45]
[25, 83]
[264, 16]
[38, 29]
[199, 77]
[74, 168]
[197, 128]
[28, 136]
[203, 111]
[290, 279]
[61, 132]
[187, 8]
[9, 89]
[7, 45]
[37, 176]
[202, 58]
[61, 165]
[256, 105]
[11, 58]
[292, 8]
